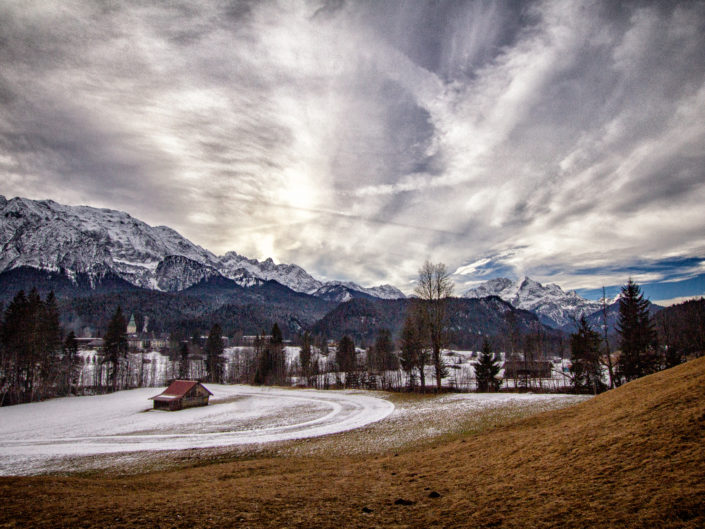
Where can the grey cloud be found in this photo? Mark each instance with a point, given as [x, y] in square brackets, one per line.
[359, 138]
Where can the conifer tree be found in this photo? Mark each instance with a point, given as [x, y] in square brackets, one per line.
[637, 334]
[49, 344]
[305, 359]
[71, 362]
[414, 355]
[487, 369]
[260, 360]
[271, 360]
[214, 352]
[345, 355]
[16, 345]
[585, 368]
[383, 357]
[183, 361]
[277, 356]
[115, 345]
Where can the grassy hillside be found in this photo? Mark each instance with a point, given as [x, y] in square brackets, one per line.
[632, 457]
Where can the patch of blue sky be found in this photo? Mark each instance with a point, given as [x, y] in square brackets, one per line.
[657, 290]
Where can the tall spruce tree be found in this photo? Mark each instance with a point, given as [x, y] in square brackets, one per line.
[487, 369]
[585, 368]
[72, 363]
[49, 345]
[271, 360]
[305, 358]
[115, 346]
[214, 355]
[345, 355]
[16, 346]
[184, 368]
[411, 346]
[383, 357]
[638, 356]
[277, 356]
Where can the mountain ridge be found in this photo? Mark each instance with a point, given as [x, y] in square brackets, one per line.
[553, 306]
[72, 240]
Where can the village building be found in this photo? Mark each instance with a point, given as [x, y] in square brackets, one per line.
[132, 326]
[517, 367]
[182, 394]
[89, 343]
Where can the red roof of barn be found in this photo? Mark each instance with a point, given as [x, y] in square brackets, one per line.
[177, 389]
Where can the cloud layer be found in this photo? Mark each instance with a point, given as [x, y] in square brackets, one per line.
[564, 140]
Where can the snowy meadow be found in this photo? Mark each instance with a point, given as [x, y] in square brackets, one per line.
[104, 431]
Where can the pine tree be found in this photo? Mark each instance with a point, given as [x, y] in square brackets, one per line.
[277, 358]
[115, 345]
[383, 357]
[16, 345]
[260, 361]
[31, 345]
[271, 360]
[305, 358]
[49, 345]
[214, 352]
[277, 337]
[71, 362]
[412, 348]
[487, 369]
[33, 354]
[585, 368]
[346, 357]
[637, 334]
[183, 361]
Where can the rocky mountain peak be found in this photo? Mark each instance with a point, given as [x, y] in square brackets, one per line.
[549, 302]
[45, 235]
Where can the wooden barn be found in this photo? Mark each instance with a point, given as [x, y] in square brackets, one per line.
[519, 368]
[182, 394]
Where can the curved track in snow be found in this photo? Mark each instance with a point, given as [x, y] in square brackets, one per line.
[32, 434]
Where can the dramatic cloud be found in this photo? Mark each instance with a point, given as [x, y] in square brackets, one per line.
[563, 140]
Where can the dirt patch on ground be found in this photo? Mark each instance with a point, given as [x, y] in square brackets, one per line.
[633, 457]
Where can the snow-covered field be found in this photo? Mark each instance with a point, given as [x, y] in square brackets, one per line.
[33, 437]
[120, 430]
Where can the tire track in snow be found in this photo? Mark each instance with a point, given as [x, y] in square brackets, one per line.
[33, 434]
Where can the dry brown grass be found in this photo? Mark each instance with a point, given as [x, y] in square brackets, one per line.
[633, 457]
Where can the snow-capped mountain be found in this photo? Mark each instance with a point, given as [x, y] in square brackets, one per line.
[550, 303]
[83, 240]
[381, 291]
[233, 266]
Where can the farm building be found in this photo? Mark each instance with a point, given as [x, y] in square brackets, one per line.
[516, 367]
[182, 394]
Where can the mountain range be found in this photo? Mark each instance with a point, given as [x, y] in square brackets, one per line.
[81, 251]
[93, 243]
[550, 303]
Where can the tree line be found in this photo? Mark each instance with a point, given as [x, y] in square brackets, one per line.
[646, 344]
[38, 359]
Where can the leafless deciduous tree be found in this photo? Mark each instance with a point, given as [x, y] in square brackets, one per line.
[433, 289]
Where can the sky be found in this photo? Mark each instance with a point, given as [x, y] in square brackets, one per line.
[560, 140]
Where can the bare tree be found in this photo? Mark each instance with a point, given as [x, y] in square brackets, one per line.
[605, 338]
[433, 289]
